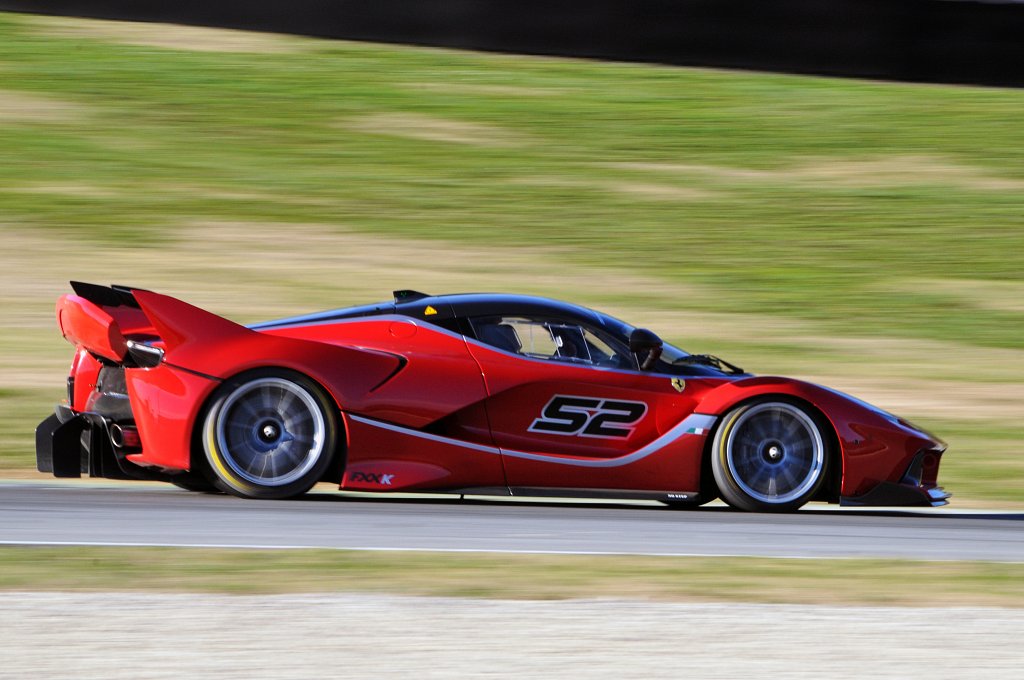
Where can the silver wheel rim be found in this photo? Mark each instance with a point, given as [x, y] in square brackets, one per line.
[270, 431]
[775, 452]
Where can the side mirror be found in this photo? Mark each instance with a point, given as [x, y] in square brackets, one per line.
[642, 340]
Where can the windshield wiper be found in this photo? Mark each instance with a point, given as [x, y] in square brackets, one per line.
[708, 360]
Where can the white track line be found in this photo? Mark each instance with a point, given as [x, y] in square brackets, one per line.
[161, 487]
[483, 551]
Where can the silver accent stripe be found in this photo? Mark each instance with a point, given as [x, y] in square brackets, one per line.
[695, 424]
[425, 435]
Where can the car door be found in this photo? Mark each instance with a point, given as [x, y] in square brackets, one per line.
[569, 408]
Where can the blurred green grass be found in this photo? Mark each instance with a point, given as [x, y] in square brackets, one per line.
[20, 411]
[846, 582]
[856, 209]
[837, 201]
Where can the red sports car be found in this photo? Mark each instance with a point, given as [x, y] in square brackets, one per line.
[474, 393]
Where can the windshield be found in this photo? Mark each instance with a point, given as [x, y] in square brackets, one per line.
[622, 330]
[674, 360]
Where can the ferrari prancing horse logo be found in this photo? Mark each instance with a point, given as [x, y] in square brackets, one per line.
[679, 384]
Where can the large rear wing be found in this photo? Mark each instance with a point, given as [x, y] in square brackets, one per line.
[133, 325]
[138, 328]
[98, 318]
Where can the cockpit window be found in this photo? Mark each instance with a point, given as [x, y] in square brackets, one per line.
[553, 340]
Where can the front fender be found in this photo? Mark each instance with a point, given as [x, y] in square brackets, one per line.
[874, 446]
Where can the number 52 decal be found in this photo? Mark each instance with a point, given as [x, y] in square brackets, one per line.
[589, 417]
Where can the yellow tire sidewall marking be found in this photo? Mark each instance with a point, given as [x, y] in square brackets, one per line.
[217, 458]
[723, 443]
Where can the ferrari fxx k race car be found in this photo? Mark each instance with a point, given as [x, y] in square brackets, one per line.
[474, 393]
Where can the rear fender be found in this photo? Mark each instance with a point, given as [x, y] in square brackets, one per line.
[205, 343]
[165, 403]
[200, 349]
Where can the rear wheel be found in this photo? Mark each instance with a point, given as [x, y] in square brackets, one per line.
[269, 434]
[769, 456]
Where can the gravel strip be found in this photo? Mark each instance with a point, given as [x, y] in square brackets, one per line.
[141, 636]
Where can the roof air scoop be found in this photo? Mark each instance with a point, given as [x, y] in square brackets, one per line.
[408, 296]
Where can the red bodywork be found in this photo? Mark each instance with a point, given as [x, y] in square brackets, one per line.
[425, 408]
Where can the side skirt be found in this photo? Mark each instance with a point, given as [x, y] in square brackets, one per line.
[555, 492]
[608, 494]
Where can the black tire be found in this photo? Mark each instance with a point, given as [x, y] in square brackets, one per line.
[269, 434]
[770, 455]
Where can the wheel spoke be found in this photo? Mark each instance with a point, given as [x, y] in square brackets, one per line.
[248, 408]
[747, 442]
[285, 454]
[250, 463]
[285, 401]
[298, 419]
[791, 480]
[799, 450]
[759, 430]
[759, 476]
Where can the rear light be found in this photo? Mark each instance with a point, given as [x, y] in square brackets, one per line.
[145, 356]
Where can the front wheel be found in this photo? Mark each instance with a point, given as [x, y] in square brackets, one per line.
[769, 456]
[269, 434]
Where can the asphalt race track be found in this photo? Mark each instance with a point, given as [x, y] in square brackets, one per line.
[83, 513]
